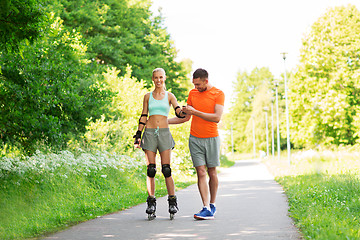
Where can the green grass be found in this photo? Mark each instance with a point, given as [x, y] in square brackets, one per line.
[226, 162]
[324, 206]
[30, 209]
[323, 193]
[50, 193]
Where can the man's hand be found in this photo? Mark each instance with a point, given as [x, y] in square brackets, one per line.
[189, 110]
[211, 117]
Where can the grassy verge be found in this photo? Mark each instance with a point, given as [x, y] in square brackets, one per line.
[30, 209]
[225, 162]
[323, 192]
[48, 192]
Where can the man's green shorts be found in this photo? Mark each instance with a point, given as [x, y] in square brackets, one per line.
[155, 139]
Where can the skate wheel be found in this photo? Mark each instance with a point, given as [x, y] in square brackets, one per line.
[172, 216]
[151, 216]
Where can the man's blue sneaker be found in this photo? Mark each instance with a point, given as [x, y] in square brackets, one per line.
[212, 209]
[204, 214]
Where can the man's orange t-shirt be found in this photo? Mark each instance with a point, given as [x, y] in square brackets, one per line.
[205, 102]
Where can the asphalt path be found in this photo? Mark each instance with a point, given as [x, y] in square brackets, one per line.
[250, 205]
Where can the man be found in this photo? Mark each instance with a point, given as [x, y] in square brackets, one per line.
[205, 105]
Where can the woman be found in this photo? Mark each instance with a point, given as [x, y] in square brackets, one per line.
[157, 137]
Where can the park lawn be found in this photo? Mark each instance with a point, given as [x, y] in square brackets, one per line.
[323, 192]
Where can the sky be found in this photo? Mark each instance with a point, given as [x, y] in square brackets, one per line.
[228, 36]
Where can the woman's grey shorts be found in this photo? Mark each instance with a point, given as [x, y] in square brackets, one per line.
[155, 139]
[205, 151]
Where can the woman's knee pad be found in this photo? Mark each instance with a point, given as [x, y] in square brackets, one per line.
[166, 170]
[151, 170]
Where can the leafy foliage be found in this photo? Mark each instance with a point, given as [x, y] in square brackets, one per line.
[20, 20]
[125, 32]
[48, 94]
[252, 93]
[114, 131]
[325, 90]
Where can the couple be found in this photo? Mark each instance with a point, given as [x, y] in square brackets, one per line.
[205, 106]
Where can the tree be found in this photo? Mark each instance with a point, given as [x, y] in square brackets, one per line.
[252, 93]
[49, 92]
[19, 20]
[325, 90]
[124, 32]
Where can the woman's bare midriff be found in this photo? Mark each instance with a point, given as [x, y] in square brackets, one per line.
[156, 121]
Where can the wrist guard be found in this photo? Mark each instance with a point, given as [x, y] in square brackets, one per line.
[178, 114]
[137, 136]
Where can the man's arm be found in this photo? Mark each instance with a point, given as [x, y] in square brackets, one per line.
[211, 117]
